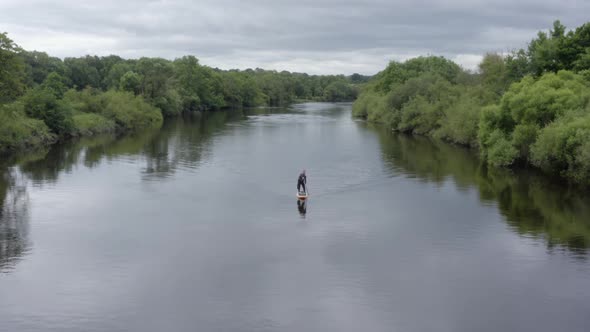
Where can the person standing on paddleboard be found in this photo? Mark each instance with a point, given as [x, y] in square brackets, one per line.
[301, 181]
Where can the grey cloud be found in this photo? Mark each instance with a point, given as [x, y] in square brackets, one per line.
[317, 36]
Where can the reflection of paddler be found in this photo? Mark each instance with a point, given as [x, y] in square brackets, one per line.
[301, 206]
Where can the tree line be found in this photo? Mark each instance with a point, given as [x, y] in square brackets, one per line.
[530, 107]
[45, 98]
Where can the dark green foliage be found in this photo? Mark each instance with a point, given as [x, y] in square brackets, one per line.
[12, 70]
[39, 65]
[17, 131]
[340, 90]
[43, 105]
[55, 84]
[130, 82]
[83, 72]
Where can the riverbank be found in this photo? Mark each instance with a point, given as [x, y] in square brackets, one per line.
[50, 99]
[516, 111]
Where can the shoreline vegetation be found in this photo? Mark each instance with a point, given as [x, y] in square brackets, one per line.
[45, 99]
[528, 108]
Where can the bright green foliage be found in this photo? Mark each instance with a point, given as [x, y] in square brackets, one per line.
[365, 104]
[43, 105]
[563, 147]
[537, 122]
[20, 132]
[88, 124]
[130, 82]
[416, 93]
[129, 112]
[87, 101]
[399, 73]
[460, 121]
[541, 101]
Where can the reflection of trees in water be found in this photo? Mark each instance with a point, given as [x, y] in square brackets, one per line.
[184, 141]
[14, 222]
[180, 141]
[533, 204]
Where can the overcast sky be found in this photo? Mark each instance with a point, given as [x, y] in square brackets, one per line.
[313, 36]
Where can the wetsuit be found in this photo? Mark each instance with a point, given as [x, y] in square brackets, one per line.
[301, 182]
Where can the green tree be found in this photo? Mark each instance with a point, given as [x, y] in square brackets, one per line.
[130, 82]
[82, 72]
[55, 84]
[494, 73]
[12, 70]
[39, 65]
[43, 105]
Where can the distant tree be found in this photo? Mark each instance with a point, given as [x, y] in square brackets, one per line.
[82, 72]
[39, 65]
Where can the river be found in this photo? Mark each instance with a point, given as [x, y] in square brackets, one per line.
[195, 227]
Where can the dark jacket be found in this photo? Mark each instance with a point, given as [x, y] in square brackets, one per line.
[302, 179]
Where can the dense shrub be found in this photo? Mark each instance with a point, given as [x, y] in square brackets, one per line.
[20, 132]
[88, 124]
[527, 108]
[43, 105]
[563, 147]
[460, 122]
[130, 112]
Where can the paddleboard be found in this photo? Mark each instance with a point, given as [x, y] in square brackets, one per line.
[302, 195]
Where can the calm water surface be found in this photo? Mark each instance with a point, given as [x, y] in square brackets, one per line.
[195, 227]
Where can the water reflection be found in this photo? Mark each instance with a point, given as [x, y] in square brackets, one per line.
[184, 142]
[302, 207]
[181, 142]
[532, 204]
[14, 219]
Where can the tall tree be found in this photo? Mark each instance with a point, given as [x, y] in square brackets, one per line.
[12, 70]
